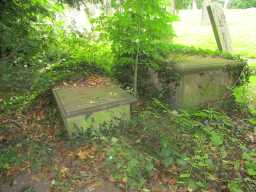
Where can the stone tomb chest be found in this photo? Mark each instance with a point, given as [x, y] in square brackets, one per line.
[203, 81]
[93, 107]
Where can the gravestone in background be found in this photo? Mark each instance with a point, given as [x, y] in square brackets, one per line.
[220, 27]
[84, 108]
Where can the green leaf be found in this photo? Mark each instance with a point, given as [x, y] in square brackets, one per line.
[185, 175]
[216, 138]
[252, 171]
[253, 121]
[235, 186]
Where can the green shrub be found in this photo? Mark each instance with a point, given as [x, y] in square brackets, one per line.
[242, 4]
[138, 32]
[8, 158]
[245, 96]
[75, 57]
[26, 31]
[249, 157]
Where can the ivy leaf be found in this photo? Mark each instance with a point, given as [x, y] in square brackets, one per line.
[251, 171]
[252, 121]
[216, 138]
[235, 186]
[185, 175]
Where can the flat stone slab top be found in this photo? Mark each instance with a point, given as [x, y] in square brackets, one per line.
[84, 107]
[81, 100]
[197, 63]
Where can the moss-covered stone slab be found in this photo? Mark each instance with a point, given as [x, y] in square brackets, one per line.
[196, 81]
[205, 81]
[197, 63]
[93, 107]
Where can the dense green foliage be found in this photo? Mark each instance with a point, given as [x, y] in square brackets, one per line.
[243, 3]
[26, 32]
[23, 26]
[32, 40]
[36, 51]
[138, 31]
[240, 4]
[245, 97]
[74, 58]
[183, 4]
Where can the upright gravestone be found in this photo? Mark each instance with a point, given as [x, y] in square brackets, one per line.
[194, 4]
[220, 27]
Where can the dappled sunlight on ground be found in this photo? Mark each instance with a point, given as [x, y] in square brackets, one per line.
[190, 31]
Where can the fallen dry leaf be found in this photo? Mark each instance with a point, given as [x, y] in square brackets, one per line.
[173, 169]
[172, 181]
[64, 172]
[39, 115]
[83, 155]
[86, 152]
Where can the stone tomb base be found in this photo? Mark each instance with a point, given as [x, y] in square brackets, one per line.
[93, 107]
[204, 81]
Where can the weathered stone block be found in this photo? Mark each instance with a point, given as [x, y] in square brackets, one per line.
[203, 80]
[93, 107]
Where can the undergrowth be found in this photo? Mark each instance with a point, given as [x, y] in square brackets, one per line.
[202, 150]
[74, 59]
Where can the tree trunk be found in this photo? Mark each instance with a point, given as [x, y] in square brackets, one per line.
[172, 7]
[194, 5]
[226, 4]
[107, 7]
[205, 17]
[2, 7]
[135, 86]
